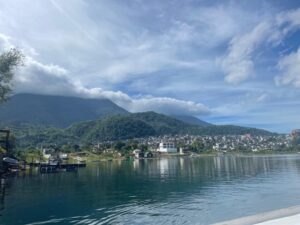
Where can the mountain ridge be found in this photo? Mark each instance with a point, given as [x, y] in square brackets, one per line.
[122, 127]
[93, 119]
[58, 111]
[119, 127]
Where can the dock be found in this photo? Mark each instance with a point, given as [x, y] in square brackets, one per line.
[49, 168]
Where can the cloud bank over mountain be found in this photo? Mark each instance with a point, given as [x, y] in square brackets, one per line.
[225, 61]
[51, 79]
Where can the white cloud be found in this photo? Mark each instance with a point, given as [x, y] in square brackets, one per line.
[290, 68]
[219, 23]
[142, 103]
[36, 77]
[113, 42]
[238, 64]
[148, 103]
[169, 106]
[5, 44]
[288, 20]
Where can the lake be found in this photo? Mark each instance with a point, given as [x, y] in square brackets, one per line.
[171, 190]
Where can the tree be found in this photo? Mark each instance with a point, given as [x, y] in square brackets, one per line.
[9, 61]
[296, 141]
[143, 147]
[197, 146]
[119, 145]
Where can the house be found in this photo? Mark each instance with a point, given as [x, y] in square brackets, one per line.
[63, 156]
[138, 153]
[47, 153]
[167, 147]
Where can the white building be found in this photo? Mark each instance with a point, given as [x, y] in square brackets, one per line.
[167, 147]
[63, 156]
[47, 153]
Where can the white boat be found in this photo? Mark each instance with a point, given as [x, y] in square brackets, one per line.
[53, 163]
[10, 161]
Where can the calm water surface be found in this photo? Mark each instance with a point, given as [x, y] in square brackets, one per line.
[186, 190]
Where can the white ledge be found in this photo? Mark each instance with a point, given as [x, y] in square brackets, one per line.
[287, 216]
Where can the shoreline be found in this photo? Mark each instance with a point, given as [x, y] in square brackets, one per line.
[285, 216]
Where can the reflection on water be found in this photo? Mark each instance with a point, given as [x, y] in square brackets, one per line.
[155, 191]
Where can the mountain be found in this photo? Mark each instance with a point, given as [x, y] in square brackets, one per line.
[112, 128]
[55, 111]
[128, 126]
[121, 127]
[191, 120]
[149, 124]
[37, 119]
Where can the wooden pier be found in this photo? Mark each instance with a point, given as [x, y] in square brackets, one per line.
[49, 168]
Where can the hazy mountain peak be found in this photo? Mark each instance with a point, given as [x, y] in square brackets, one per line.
[59, 111]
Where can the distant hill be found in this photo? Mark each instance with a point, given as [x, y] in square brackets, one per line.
[121, 127]
[128, 126]
[191, 120]
[56, 111]
[36, 119]
[149, 124]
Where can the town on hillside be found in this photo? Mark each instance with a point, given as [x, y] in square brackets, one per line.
[149, 147]
[72, 154]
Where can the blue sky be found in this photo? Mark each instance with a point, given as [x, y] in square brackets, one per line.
[227, 62]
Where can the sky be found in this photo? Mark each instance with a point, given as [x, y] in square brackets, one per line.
[226, 62]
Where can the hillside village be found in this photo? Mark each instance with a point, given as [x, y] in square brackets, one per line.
[125, 134]
[178, 145]
[195, 143]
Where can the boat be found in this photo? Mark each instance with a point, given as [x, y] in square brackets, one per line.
[10, 161]
[47, 168]
[53, 163]
[194, 155]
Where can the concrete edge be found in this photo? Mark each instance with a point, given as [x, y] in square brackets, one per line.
[263, 217]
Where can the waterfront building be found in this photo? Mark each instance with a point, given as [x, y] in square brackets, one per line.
[148, 155]
[63, 156]
[138, 153]
[47, 153]
[167, 147]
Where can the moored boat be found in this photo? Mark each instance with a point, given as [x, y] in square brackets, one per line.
[10, 161]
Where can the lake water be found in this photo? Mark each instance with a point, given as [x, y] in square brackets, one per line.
[178, 190]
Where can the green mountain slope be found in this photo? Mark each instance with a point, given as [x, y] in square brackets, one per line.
[120, 127]
[112, 128]
[127, 126]
[149, 124]
[229, 130]
[191, 120]
[56, 111]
